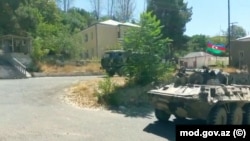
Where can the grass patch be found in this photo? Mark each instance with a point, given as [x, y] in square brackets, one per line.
[226, 69]
[111, 94]
[108, 93]
[85, 94]
[70, 68]
[82, 94]
[229, 69]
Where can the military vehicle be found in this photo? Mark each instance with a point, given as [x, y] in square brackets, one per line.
[113, 61]
[210, 100]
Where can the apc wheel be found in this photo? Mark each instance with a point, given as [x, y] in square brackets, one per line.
[246, 116]
[235, 117]
[217, 116]
[161, 115]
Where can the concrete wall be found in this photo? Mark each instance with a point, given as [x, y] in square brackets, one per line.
[90, 41]
[107, 37]
[239, 48]
[219, 61]
[200, 61]
[203, 61]
[122, 29]
[98, 38]
[101, 37]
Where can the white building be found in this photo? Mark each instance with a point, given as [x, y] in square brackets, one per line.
[199, 59]
[246, 38]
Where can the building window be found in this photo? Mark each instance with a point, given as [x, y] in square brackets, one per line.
[24, 42]
[241, 54]
[86, 37]
[92, 53]
[119, 34]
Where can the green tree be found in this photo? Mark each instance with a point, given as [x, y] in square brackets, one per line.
[56, 40]
[236, 32]
[148, 47]
[218, 39]
[22, 17]
[28, 18]
[77, 19]
[197, 43]
[173, 14]
[51, 28]
[8, 20]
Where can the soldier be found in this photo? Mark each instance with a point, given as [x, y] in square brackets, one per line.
[205, 75]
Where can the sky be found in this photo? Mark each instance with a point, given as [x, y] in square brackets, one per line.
[209, 17]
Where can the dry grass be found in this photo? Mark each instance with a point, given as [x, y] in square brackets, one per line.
[90, 67]
[84, 95]
[229, 70]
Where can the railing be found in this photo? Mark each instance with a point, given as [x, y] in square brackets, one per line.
[17, 64]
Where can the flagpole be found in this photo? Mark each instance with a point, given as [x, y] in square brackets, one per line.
[205, 59]
[229, 32]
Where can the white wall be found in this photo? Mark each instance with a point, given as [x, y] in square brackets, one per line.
[204, 61]
[200, 61]
[219, 60]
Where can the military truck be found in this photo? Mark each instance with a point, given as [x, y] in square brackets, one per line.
[213, 101]
[113, 61]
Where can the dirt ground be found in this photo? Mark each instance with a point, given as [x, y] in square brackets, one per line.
[90, 67]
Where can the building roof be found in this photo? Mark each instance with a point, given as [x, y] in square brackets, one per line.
[246, 38]
[9, 36]
[110, 22]
[130, 24]
[196, 54]
[116, 23]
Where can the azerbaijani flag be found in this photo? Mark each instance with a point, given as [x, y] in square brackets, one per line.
[216, 49]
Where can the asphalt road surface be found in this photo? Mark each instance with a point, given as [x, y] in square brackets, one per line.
[34, 110]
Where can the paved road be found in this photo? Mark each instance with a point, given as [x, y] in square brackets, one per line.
[33, 110]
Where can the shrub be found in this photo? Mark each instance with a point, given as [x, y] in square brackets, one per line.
[33, 67]
[148, 48]
[105, 91]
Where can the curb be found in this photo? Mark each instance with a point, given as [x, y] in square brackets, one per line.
[65, 74]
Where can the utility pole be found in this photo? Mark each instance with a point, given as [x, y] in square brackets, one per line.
[229, 32]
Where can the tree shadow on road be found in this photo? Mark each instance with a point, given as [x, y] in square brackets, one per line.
[167, 129]
[140, 111]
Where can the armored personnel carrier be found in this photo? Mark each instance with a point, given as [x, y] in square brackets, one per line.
[211, 100]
